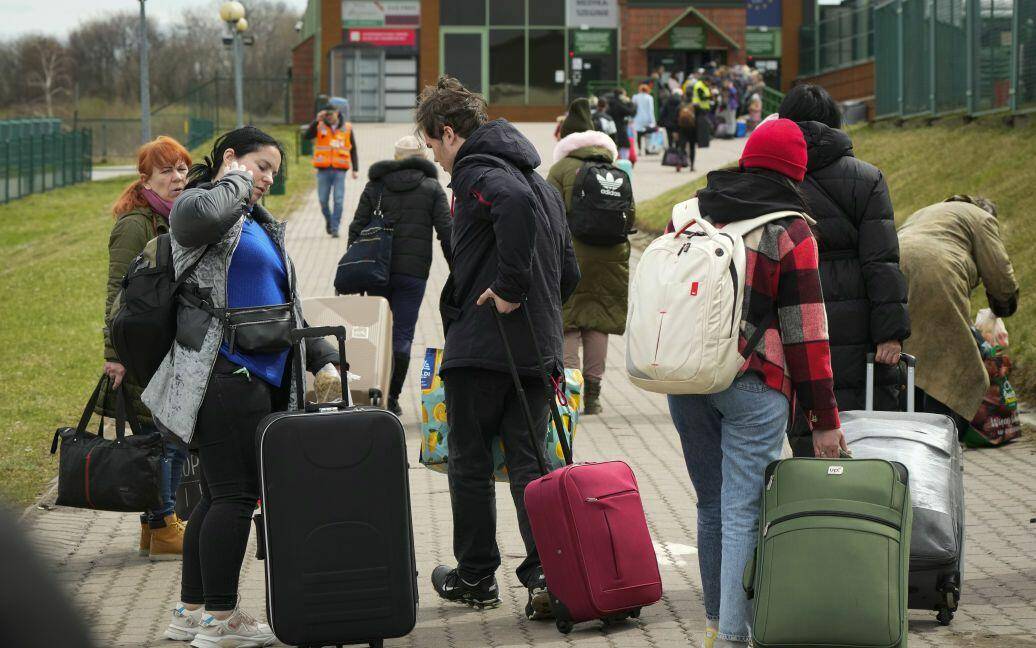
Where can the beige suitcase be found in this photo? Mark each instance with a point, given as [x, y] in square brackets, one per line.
[368, 341]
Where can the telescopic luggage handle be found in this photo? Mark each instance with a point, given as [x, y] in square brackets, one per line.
[559, 424]
[300, 334]
[911, 364]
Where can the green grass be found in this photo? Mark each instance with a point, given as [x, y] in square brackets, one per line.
[52, 288]
[924, 165]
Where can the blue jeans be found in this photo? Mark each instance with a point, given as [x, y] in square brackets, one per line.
[728, 439]
[326, 180]
[173, 458]
[404, 294]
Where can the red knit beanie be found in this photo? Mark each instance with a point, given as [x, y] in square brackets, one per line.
[777, 145]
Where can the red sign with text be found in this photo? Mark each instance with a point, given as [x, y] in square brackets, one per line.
[384, 37]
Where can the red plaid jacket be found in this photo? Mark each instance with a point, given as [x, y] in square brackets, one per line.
[794, 356]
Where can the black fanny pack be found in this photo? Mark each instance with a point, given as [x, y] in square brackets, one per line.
[260, 329]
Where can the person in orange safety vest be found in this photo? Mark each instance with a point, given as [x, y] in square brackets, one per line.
[334, 153]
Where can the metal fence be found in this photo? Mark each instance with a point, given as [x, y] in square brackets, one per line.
[841, 36]
[941, 57]
[40, 162]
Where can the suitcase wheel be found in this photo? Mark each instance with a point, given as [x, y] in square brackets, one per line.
[377, 643]
[635, 613]
[944, 617]
[564, 627]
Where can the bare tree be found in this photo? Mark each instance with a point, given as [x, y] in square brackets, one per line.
[44, 57]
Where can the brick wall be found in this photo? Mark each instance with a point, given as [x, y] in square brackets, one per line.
[428, 47]
[302, 81]
[638, 25]
[853, 83]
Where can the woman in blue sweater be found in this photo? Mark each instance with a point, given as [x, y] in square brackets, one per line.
[219, 380]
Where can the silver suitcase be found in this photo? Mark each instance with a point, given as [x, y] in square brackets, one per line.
[927, 445]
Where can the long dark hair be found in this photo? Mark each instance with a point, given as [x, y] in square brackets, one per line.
[242, 141]
[809, 102]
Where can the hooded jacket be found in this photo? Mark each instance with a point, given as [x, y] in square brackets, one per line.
[414, 203]
[865, 293]
[509, 234]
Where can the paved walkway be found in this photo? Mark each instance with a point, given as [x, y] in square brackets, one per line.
[127, 598]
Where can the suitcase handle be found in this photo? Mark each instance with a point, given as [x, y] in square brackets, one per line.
[297, 336]
[559, 425]
[911, 365]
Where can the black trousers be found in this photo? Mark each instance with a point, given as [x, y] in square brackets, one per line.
[217, 533]
[480, 405]
[686, 140]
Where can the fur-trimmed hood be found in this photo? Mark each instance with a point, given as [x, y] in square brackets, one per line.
[405, 174]
[575, 141]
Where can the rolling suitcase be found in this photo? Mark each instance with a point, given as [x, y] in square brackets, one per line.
[589, 526]
[830, 566]
[368, 341]
[337, 530]
[927, 445]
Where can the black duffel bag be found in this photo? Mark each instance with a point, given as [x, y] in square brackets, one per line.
[121, 474]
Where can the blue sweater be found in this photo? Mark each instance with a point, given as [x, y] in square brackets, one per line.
[257, 277]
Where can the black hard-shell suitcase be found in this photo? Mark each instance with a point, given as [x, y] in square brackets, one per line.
[340, 566]
[927, 445]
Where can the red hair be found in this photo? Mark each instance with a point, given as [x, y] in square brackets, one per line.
[160, 152]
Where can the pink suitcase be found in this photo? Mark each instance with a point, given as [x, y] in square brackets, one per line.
[590, 529]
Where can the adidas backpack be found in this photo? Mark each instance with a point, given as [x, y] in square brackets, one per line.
[602, 204]
[684, 319]
[142, 321]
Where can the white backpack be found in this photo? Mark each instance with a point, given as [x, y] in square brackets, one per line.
[685, 307]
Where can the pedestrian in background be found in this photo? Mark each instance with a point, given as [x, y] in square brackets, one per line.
[334, 153]
[512, 250]
[414, 204]
[948, 249]
[730, 437]
[644, 117]
[668, 117]
[142, 213]
[621, 110]
[865, 293]
[597, 308]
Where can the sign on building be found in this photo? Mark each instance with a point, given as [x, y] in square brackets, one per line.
[592, 13]
[689, 37]
[381, 13]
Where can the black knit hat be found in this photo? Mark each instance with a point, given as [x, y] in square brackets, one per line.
[578, 119]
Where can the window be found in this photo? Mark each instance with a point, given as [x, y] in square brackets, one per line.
[507, 66]
[546, 12]
[462, 12]
[463, 59]
[507, 12]
[546, 55]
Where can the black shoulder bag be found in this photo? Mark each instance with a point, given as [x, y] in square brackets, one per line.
[368, 261]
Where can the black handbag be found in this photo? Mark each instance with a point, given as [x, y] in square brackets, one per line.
[675, 157]
[121, 474]
[368, 261]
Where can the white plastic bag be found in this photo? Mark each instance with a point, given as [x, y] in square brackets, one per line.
[992, 328]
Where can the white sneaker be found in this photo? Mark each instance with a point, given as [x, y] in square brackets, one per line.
[185, 623]
[239, 630]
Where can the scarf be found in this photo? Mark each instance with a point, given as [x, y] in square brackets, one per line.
[160, 205]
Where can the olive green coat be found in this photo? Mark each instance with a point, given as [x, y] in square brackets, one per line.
[947, 250]
[129, 235]
[600, 300]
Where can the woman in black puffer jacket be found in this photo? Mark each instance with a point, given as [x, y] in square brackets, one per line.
[865, 292]
[414, 202]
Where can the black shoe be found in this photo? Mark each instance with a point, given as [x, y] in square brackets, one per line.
[334, 234]
[538, 608]
[393, 406]
[327, 227]
[449, 585]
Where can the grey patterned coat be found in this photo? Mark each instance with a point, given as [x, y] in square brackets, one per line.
[206, 222]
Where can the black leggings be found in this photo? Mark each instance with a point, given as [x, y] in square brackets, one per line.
[217, 533]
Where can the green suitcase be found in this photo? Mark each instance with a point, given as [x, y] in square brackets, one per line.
[831, 565]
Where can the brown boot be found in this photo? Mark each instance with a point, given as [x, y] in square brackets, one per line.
[592, 404]
[167, 540]
[145, 538]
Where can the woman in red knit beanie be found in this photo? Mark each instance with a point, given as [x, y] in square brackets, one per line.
[729, 438]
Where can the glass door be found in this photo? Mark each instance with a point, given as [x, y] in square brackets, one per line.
[463, 55]
[364, 84]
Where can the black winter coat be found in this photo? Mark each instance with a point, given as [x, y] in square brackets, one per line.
[670, 113]
[621, 112]
[509, 234]
[413, 202]
[865, 292]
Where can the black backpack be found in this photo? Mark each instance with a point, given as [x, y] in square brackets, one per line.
[602, 202]
[142, 322]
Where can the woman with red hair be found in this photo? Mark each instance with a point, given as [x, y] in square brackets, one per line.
[142, 213]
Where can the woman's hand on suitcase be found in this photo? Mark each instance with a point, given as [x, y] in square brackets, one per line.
[888, 352]
[828, 443]
[502, 306]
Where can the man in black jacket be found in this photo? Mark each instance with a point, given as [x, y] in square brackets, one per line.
[865, 293]
[512, 250]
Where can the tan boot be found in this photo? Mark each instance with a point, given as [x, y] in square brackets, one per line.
[167, 541]
[145, 539]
